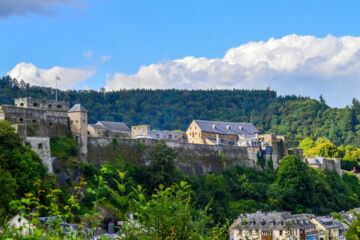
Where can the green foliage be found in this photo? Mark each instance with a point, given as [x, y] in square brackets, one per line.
[63, 147]
[21, 166]
[162, 168]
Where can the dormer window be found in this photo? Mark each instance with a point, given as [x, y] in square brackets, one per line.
[228, 127]
[213, 126]
[240, 128]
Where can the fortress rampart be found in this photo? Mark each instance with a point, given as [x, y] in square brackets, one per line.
[191, 159]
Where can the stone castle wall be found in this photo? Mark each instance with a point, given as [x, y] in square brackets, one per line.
[191, 159]
[41, 145]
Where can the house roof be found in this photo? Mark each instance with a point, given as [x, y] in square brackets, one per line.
[273, 220]
[233, 128]
[77, 108]
[116, 126]
[328, 222]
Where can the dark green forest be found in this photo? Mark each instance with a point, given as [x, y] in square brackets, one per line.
[294, 116]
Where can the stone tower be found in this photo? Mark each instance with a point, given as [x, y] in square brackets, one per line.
[78, 124]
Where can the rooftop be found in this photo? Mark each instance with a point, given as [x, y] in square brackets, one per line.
[233, 128]
[77, 108]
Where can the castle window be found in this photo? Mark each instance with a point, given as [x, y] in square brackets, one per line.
[36, 105]
[228, 127]
[240, 128]
[34, 121]
[21, 120]
[77, 138]
[213, 126]
[49, 105]
[58, 106]
[40, 146]
[83, 121]
[72, 121]
[280, 232]
[21, 104]
[50, 123]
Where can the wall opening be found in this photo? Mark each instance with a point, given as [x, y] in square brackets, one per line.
[21, 104]
[49, 105]
[59, 106]
[36, 105]
[34, 121]
[40, 146]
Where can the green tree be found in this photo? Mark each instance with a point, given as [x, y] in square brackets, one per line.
[162, 168]
[293, 187]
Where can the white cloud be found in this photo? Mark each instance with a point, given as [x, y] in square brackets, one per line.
[105, 58]
[88, 54]
[294, 64]
[46, 77]
[24, 7]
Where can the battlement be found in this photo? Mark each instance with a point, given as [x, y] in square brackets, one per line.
[38, 103]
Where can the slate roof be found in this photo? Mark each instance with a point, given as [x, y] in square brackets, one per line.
[116, 126]
[233, 128]
[328, 222]
[315, 162]
[273, 220]
[77, 108]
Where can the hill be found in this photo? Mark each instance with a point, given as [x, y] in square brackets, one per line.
[297, 117]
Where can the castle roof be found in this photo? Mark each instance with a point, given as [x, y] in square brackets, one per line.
[233, 128]
[117, 126]
[77, 108]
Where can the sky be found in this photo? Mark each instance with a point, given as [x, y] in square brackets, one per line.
[307, 48]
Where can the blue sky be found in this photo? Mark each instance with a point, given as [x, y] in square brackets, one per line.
[110, 40]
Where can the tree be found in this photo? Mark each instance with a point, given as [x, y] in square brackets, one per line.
[162, 168]
[293, 187]
[20, 161]
[7, 190]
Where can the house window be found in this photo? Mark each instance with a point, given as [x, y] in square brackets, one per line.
[34, 121]
[40, 146]
[280, 232]
[83, 121]
[50, 123]
[72, 121]
[77, 121]
[49, 105]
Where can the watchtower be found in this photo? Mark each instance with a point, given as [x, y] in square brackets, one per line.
[78, 116]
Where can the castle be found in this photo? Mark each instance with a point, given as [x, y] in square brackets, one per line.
[207, 146]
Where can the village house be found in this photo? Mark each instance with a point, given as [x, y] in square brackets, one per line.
[329, 228]
[222, 133]
[109, 129]
[143, 131]
[273, 225]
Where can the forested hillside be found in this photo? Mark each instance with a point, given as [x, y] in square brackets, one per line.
[297, 117]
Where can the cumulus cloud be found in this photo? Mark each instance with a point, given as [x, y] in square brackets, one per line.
[24, 7]
[294, 64]
[46, 77]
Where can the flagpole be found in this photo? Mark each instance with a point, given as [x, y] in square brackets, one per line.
[56, 87]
